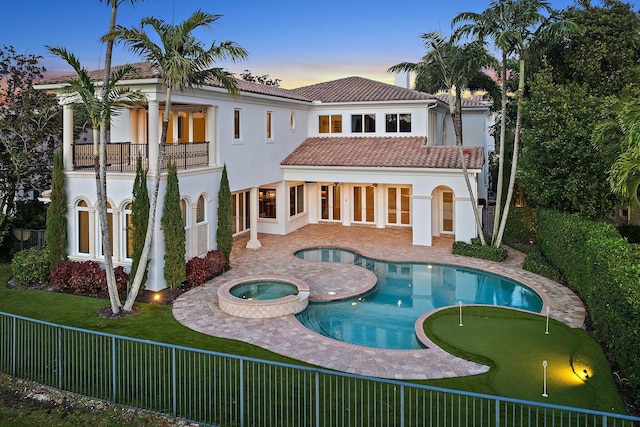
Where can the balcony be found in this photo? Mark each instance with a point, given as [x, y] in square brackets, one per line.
[121, 156]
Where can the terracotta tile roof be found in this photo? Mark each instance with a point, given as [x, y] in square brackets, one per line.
[359, 89]
[380, 151]
[145, 71]
[473, 102]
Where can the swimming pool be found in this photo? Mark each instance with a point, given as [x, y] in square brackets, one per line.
[385, 316]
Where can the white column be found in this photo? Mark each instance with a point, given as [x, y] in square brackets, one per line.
[381, 214]
[253, 242]
[346, 193]
[154, 135]
[67, 136]
[211, 136]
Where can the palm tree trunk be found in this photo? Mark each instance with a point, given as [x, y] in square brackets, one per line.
[503, 127]
[153, 203]
[514, 161]
[101, 173]
[456, 115]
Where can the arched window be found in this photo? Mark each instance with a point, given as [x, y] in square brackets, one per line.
[128, 231]
[184, 212]
[83, 227]
[200, 214]
[109, 226]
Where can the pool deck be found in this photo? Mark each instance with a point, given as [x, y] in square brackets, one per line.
[198, 308]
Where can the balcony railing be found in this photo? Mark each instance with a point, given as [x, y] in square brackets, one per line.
[121, 156]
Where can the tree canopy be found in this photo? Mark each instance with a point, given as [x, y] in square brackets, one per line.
[30, 128]
[562, 169]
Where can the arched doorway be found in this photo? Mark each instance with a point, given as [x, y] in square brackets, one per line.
[443, 211]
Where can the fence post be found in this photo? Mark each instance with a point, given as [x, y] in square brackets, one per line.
[241, 392]
[114, 369]
[317, 399]
[60, 356]
[175, 385]
[497, 413]
[402, 406]
[14, 351]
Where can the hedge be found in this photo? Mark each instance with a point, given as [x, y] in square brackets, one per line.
[604, 269]
[478, 251]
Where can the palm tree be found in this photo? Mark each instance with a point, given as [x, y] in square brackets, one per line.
[493, 23]
[516, 27]
[451, 66]
[533, 22]
[619, 135]
[183, 62]
[82, 88]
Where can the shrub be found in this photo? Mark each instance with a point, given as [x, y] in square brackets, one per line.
[31, 266]
[173, 228]
[224, 233]
[78, 277]
[85, 277]
[218, 260]
[198, 271]
[478, 251]
[122, 278]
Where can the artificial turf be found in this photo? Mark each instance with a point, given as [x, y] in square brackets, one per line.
[515, 344]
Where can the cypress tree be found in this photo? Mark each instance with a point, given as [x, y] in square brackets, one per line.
[56, 231]
[224, 233]
[139, 216]
[174, 235]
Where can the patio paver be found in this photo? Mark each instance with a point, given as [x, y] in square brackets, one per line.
[198, 308]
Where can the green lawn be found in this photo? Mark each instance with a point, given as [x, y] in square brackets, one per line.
[516, 367]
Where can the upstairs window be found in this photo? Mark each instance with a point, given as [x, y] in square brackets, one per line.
[236, 124]
[330, 124]
[398, 123]
[363, 123]
[269, 132]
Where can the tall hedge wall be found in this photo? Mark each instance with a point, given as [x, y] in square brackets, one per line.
[604, 269]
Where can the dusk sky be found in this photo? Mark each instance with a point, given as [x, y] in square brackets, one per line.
[298, 42]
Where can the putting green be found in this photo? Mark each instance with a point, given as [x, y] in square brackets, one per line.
[515, 345]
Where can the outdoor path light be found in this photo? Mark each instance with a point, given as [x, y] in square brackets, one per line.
[544, 379]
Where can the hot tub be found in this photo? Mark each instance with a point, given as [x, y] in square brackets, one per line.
[263, 297]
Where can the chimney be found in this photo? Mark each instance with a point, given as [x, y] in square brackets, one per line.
[402, 79]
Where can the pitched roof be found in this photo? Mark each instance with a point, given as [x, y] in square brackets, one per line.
[381, 151]
[359, 89]
[144, 70]
[472, 102]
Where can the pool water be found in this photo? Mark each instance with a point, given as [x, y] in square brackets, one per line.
[263, 290]
[385, 316]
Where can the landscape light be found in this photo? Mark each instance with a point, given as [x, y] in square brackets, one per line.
[544, 379]
[547, 329]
